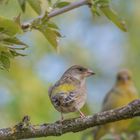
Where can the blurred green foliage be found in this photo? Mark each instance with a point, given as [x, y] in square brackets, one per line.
[10, 28]
[23, 88]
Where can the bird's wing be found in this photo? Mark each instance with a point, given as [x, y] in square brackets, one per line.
[109, 100]
[64, 92]
[63, 98]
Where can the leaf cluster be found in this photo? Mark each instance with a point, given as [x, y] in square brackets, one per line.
[98, 6]
[10, 44]
[9, 29]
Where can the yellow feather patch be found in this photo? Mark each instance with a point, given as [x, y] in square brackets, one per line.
[64, 88]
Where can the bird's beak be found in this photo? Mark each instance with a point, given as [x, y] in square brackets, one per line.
[89, 72]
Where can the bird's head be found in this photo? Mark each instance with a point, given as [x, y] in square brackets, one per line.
[124, 77]
[79, 72]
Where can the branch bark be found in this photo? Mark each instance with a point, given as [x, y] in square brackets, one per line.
[68, 8]
[56, 12]
[25, 129]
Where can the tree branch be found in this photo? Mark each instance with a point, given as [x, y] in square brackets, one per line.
[68, 8]
[56, 12]
[24, 129]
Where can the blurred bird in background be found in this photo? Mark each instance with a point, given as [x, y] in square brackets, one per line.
[69, 93]
[123, 92]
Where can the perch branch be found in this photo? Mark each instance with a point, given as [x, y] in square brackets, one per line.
[25, 129]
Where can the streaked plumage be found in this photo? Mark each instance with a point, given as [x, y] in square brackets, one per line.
[69, 93]
[121, 94]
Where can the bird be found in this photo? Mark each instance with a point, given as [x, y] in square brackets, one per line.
[123, 92]
[69, 93]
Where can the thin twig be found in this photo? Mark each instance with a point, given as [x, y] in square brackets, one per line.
[56, 12]
[68, 8]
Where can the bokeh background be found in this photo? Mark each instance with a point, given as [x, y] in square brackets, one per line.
[90, 41]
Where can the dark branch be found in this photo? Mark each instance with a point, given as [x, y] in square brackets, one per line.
[56, 12]
[25, 130]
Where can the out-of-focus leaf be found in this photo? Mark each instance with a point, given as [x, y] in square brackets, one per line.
[15, 53]
[22, 4]
[101, 2]
[14, 41]
[3, 36]
[62, 4]
[107, 137]
[49, 2]
[11, 41]
[52, 25]
[86, 109]
[4, 1]
[57, 33]
[94, 10]
[5, 61]
[6, 53]
[124, 136]
[110, 14]
[3, 48]
[51, 36]
[135, 125]
[36, 5]
[17, 19]
[49, 30]
[9, 26]
[1, 29]
[10, 50]
[7, 49]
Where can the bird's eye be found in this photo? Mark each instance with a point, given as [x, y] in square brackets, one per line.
[119, 78]
[81, 69]
[123, 78]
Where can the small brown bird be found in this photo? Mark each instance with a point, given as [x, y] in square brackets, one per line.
[121, 94]
[69, 93]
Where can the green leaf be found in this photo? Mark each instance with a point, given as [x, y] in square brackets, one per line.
[36, 5]
[49, 2]
[9, 26]
[134, 126]
[3, 48]
[101, 2]
[3, 36]
[94, 10]
[111, 15]
[58, 33]
[22, 4]
[14, 41]
[15, 53]
[17, 19]
[4, 1]
[52, 25]
[5, 61]
[62, 4]
[51, 36]
[10, 52]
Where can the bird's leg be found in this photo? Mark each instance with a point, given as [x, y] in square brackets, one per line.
[82, 115]
[62, 117]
